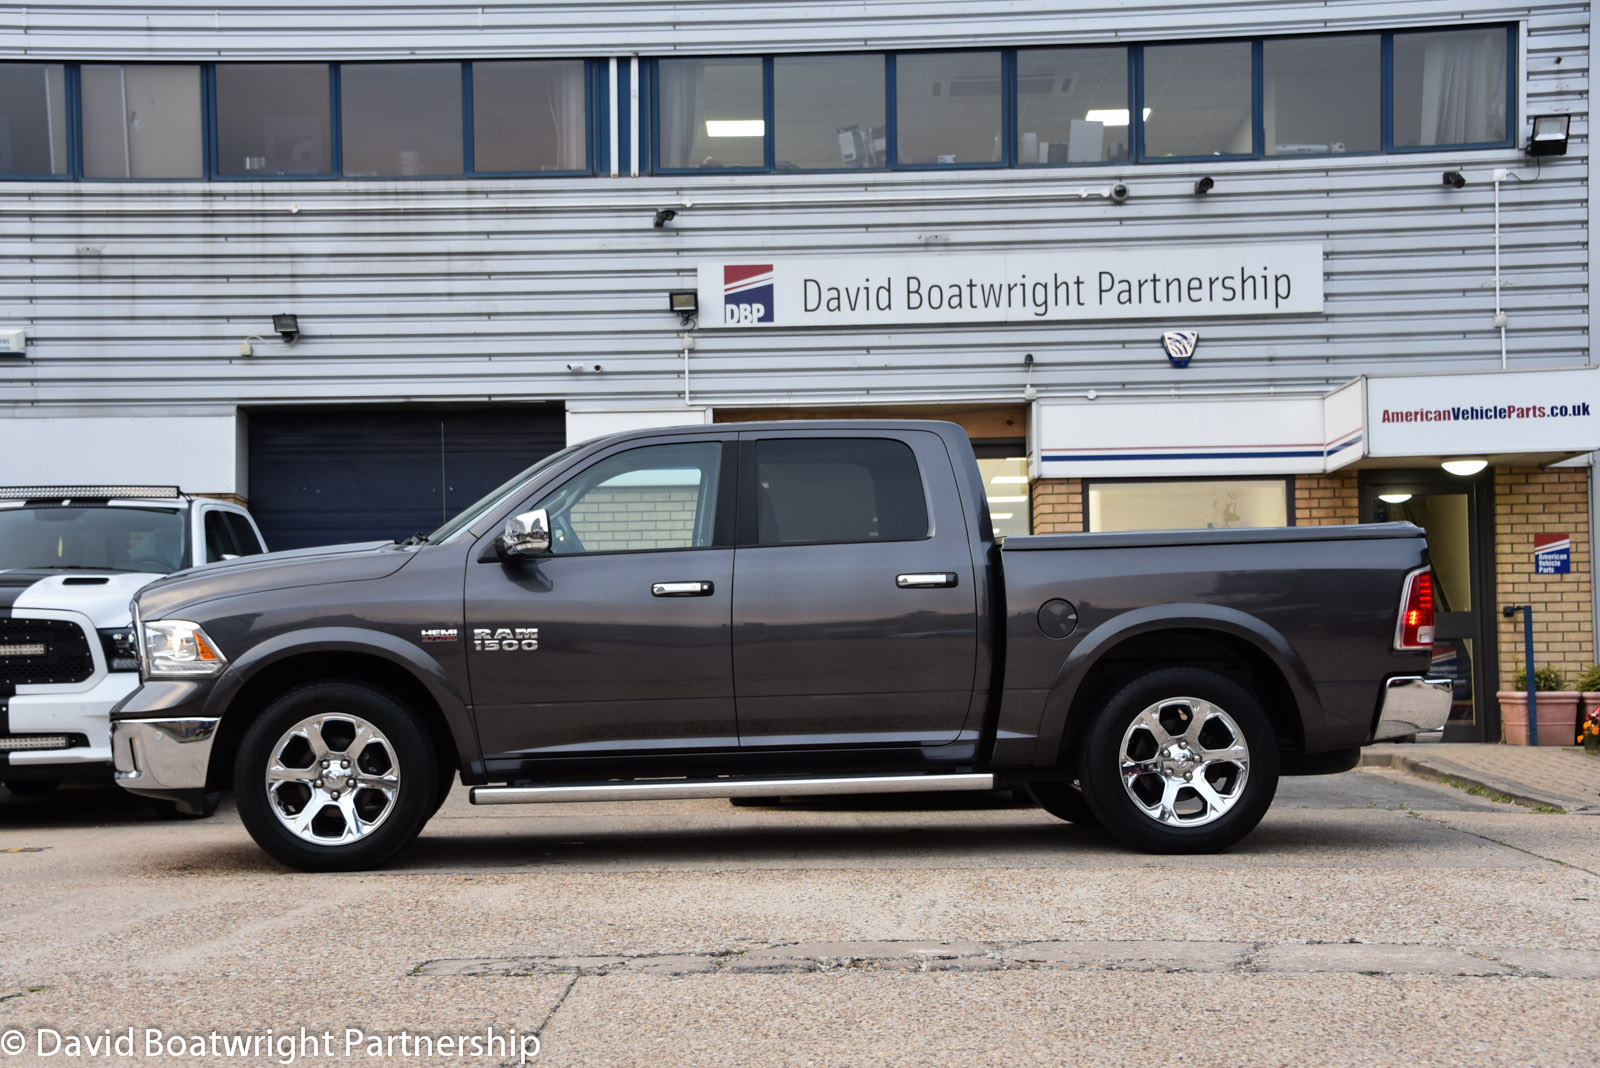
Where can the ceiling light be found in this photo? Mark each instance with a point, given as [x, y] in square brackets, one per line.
[1008, 500]
[1112, 116]
[1394, 498]
[1464, 467]
[1002, 515]
[736, 128]
[1009, 479]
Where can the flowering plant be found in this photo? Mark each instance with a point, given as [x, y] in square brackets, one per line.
[1589, 730]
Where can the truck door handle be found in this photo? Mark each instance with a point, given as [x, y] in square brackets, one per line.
[925, 580]
[681, 589]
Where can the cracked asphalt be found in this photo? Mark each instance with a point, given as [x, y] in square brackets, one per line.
[1372, 917]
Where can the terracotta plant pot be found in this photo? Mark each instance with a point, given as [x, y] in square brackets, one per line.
[1558, 716]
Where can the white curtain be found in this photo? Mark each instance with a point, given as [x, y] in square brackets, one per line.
[564, 97]
[680, 110]
[1463, 89]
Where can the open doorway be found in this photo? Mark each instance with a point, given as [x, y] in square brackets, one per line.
[1457, 514]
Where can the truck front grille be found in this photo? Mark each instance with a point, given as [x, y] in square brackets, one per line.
[34, 651]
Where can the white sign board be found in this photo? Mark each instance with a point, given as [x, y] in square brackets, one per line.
[1177, 437]
[1479, 414]
[1174, 285]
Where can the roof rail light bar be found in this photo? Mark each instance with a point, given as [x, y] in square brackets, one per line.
[36, 493]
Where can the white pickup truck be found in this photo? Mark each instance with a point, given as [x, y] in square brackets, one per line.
[71, 559]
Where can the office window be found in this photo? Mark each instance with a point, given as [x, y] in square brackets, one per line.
[401, 119]
[811, 490]
[33, 118]
[1262, 502]
[829, 112]
[273, 119]
[1197, 100]
[1322, 95]
[142, 122]
[711, 113]
[1006, 486]
[529, 116]
[1450, 87]
[1072, 105]
[948, 107]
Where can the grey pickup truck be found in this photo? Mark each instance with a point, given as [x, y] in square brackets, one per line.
[774, 609]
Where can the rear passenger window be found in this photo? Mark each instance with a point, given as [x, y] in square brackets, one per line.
[811, 490]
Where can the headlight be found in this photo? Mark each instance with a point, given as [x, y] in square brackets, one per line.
[176, 648]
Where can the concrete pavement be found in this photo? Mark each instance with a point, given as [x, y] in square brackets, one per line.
[1567, 778]
[1373, 917]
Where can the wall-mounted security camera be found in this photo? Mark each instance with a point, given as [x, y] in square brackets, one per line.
[1119, 193]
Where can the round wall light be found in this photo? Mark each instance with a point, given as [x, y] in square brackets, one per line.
[1394, 498]
[1464, 467]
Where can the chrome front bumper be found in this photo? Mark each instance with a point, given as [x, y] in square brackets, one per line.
[153, 755]
[1413, 705]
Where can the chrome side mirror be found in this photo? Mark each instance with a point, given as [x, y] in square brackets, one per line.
[527, 534]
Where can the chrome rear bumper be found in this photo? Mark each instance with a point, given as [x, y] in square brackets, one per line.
[1413, 705]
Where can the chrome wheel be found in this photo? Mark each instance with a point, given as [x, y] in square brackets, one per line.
[1184, 762]
[332, 779]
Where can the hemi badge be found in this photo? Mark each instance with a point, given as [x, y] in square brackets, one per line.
[440, 634]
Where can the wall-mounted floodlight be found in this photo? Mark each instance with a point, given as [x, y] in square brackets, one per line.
[288, 327]
[1549, 135]
[664, 216]
[1454, 179]
[685, 303]
[1204, 186]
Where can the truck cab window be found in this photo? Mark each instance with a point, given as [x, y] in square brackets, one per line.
[658, 497]
[812, 490]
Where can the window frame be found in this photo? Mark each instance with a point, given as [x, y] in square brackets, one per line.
[214, 138]
[1136, 64]
[69, 81]
[1513, 118]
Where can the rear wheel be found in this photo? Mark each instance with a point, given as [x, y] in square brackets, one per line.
[1182, 760]
[336, 776]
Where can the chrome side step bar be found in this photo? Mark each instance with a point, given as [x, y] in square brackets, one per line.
[679, 789]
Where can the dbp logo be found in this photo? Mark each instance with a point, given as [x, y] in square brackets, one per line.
[747, 294]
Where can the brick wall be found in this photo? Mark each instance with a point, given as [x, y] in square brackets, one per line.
[1058, 506]
[1529, 501]
[635, 518]
[1326, 500]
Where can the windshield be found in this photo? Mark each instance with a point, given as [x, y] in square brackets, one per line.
[497, 497]
[94, 537]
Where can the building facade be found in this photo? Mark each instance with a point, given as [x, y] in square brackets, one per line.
[1205, 263]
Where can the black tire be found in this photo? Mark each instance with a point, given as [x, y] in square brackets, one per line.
[442, 787]
[1064, 801]
[1161, 811]
[398, 744]
[32, 787]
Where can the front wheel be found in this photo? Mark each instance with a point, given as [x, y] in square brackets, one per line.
[335, 776]
[1181, 760]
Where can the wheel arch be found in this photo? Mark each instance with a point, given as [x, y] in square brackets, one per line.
[1236, 645]
[270, 671]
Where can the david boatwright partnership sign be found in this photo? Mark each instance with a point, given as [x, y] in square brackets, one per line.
[1022, 288]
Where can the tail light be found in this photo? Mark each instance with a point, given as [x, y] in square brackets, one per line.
[1415, 630]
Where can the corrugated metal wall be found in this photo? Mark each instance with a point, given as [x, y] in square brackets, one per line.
[140, 292]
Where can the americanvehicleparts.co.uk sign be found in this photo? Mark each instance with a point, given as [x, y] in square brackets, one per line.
[1171, 284]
